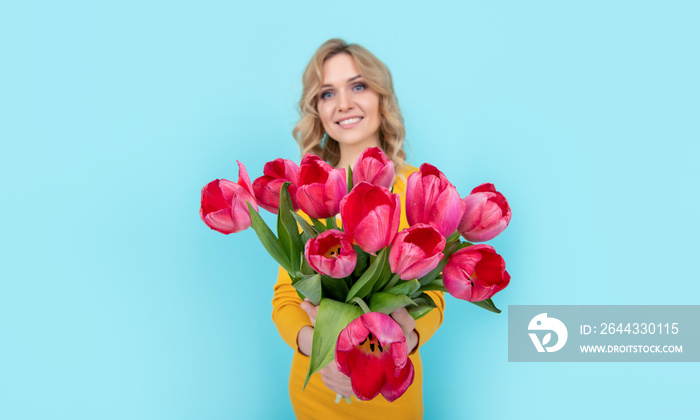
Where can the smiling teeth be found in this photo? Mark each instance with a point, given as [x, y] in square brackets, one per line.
[349, 121]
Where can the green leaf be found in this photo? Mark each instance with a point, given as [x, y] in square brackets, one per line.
[435, 285]
[318, 225]
[268, 239]
[349, 178]
[332, 318]
[387, 303]
[305, 226]
[424, 304]
[362, 261]
[305, 268]
[287, 228]
[310, 287]
[336, 289]
[420, 312]
[364, 284]
[385, 276]
[405, 288]
[488, 305]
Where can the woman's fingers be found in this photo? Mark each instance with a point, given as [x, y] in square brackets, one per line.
[405, 320]
[408, 326]
[310, 310]
[335, 380]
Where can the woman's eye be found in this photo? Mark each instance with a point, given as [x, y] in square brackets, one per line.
[359, 86]
[326, 95]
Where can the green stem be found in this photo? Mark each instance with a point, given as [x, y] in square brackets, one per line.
[392, 282]
[361, 303]
[331, 223]
[453, 237]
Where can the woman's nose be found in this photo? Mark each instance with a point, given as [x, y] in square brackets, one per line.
[344, 101]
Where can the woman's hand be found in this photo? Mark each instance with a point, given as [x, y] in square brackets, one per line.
[306, 333]
[333, 379]
[408, 326]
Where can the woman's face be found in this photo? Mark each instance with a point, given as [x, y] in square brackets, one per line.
[348, 108]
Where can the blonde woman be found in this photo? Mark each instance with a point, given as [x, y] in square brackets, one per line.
[348, 104]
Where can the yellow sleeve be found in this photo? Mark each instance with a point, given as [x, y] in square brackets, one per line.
[286, 312]
[426, 326]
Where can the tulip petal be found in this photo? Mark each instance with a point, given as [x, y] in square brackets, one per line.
[486, 187]
[213, 198]
[220, 220]
[396, 385]
[367, 376]
[307, 198]
[243, 179]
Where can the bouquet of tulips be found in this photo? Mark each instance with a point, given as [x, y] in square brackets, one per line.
[359, 273]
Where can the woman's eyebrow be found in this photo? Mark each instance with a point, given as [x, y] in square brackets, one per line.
[348, 81]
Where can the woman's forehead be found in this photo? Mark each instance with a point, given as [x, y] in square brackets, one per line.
[339, 69]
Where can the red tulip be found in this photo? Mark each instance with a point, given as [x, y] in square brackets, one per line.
[416, 251]
[486, 214]
[321, 187]
[475, 273]
[374, 167]
[267, 187]
[372, 351]
[224, 207]
[371, 216]
[331, 254]
[432, 199]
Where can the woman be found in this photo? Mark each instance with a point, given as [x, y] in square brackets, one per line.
[348, 104]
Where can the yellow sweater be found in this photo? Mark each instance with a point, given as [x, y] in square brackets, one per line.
[317, 401]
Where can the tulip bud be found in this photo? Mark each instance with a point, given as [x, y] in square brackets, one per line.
[267, 187]
[432, 199]
[486, 214]
[374, 167]
[475, 273]
[331, 254]
[321, 187]
[416, 251]
[371, 216]
[224, 207]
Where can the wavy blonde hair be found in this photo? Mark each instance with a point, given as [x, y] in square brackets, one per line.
[309, 131]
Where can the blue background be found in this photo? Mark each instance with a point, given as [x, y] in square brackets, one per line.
[117, 302]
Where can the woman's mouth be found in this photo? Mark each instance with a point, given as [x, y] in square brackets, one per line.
[349, 122]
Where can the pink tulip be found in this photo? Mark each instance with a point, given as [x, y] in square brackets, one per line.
[331, 254]
[486, 214]
[416, 251]
[475, 273]
[432, 199]
[224, 207]
[372, 351]
[374, 167]
[321, 187]
[267, 187]
[371, 216]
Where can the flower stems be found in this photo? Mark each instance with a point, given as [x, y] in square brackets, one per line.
[361, 303]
